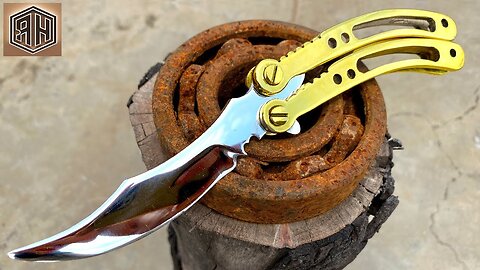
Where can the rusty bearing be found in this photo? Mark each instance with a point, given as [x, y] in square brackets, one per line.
[284, 178]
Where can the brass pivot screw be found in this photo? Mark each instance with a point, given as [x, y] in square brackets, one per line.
[278, 115]
[268, 77]
[275, 117]
[273, 74]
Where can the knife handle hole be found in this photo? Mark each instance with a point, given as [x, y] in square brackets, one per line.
[351, 73]
[453, 53]
[337, 78]
[445, 23]
[345, 37]
[332, 43]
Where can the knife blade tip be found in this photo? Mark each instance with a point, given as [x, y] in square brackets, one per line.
[12, 255]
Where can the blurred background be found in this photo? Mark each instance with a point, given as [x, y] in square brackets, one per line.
[66, 141]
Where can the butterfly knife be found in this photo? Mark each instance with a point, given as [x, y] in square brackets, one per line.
[277, 96]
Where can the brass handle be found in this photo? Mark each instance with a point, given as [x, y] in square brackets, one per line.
[270, 76]
[436, 57]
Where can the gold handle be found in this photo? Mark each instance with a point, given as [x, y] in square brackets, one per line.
[271, 76]
[436, 57]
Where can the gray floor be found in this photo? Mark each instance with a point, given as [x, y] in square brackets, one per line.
[67, 142]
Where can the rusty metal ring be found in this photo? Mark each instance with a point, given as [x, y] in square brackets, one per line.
[213, 82]
[245, 194]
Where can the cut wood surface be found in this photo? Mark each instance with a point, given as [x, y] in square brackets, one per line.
[205, 239]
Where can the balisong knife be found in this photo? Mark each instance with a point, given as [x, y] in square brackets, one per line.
[275, 99]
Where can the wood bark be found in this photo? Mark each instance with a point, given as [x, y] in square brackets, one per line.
[205, 239]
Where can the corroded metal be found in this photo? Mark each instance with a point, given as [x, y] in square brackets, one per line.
[284, 178]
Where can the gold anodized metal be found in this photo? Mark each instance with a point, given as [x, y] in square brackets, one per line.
[271, 76]
[434, 57]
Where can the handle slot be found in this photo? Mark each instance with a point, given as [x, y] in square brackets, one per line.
[370, 28]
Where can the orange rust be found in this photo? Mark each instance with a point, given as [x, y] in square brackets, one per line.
[187, 117]
[285, 178]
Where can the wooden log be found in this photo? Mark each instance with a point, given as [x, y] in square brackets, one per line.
[205, 239]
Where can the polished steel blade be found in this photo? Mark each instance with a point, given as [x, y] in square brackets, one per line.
[146, 202]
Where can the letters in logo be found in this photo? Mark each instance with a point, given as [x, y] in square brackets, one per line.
[33, 30]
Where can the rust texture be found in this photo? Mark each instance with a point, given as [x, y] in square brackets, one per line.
[285, 178]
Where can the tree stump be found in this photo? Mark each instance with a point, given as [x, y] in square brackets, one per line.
[205, 239]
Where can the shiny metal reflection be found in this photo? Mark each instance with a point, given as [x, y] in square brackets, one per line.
[144, 203]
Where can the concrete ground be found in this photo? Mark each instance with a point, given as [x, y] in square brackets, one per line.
[66, 141]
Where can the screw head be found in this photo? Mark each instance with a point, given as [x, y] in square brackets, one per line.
[278, 115]
[273, 74]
